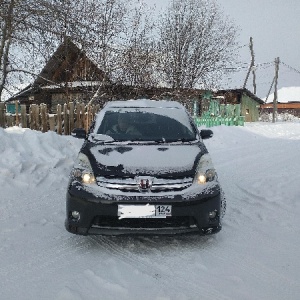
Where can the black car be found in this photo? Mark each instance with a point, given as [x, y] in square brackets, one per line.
[143, 168]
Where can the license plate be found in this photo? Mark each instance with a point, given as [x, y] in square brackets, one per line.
[144, 211]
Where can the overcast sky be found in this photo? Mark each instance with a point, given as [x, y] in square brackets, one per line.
[275, 28]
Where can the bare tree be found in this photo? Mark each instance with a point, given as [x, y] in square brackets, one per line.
[31, 30]
[138, 56]
[97, 26]
[8, 27]
[190, 47]
[18, 40]
[106, 32]
[196, 43]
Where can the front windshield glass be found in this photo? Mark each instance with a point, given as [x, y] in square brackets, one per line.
[147, 124]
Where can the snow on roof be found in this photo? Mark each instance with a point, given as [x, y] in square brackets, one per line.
[287, 94]
[73, 84]
[144, 103]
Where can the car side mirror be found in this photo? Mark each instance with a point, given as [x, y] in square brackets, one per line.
[79, 133]
[206, 134]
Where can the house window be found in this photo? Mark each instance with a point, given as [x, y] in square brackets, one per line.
[247, 111]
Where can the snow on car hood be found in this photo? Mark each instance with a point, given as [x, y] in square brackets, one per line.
[180, 160]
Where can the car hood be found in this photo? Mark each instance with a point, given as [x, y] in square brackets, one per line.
[159, 160]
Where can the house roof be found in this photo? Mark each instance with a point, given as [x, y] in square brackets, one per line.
[286, 95]
[63, 64]
[68, 66]
[241, 92]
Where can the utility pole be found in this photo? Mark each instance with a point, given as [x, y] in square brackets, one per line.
[275, 100]
[251, 68]
[270, 90]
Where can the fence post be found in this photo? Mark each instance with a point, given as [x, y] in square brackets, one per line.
[10, 120]
[32, 118]
[44, 117]
[37, 117]
[66, 120]
[78, 123]
[24, 116]
[87, 120]
[71, 116]
[17, 113]
[52, 122]
[82, 115]
[2, 114]
[59, 120]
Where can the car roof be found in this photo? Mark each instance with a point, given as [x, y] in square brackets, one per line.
[144, 103]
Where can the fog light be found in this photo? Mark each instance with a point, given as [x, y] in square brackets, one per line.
[210, 174]
[76, 173]
[212, 214]
[75, 215]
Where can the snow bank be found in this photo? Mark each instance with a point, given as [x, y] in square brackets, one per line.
[255, 256]
[30, 157]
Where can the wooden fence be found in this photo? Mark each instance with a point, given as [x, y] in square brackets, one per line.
[67, 117]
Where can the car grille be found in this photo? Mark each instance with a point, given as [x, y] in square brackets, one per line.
[147, 223]
[132, 184]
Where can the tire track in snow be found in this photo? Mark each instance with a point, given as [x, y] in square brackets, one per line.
[235, 217]
[46, 260]
[164, 273]
[258, 270]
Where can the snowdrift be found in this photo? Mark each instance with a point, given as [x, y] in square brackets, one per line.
[255, 256]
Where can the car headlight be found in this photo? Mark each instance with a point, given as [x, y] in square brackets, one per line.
[83, 169]
[205, 170]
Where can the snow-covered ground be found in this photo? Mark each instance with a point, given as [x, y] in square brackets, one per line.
[255, 256]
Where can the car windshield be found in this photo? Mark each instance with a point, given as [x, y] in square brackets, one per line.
[147, 124]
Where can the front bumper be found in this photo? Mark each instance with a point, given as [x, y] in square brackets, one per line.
[100, 216]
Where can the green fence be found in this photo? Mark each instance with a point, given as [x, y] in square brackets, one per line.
[221, 114]
[216, 121]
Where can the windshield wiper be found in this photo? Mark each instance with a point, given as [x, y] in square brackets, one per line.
[160, 141]
[110, 142]
[150, 141]
[181, 140]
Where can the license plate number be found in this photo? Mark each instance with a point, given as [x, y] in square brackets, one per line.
[144, 211]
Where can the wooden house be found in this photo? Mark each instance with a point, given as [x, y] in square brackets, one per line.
[250, 103]
[69, 75]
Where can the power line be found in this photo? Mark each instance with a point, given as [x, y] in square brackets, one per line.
[268, 64]
[264, 65]
[290, 67]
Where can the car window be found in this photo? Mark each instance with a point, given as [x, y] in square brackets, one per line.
[148, 125]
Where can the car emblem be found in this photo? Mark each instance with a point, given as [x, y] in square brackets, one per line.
[144, 183]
